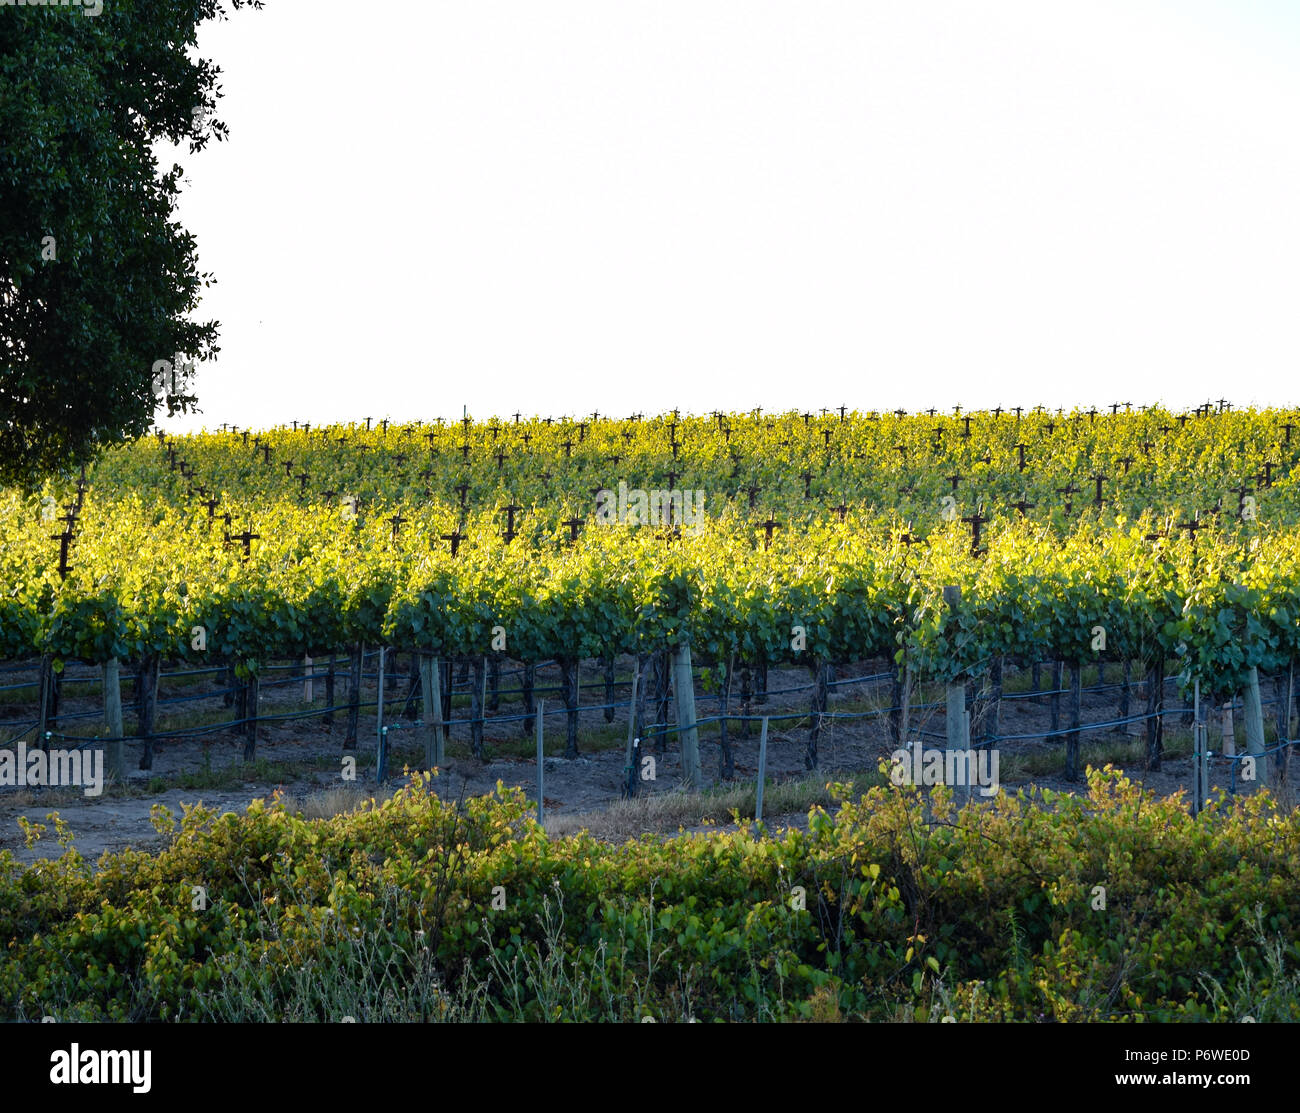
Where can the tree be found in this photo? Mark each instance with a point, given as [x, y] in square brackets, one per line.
[97, 280]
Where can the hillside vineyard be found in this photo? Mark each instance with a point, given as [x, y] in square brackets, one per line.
[755, 538]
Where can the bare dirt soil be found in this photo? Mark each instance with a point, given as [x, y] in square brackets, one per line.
[303, 757]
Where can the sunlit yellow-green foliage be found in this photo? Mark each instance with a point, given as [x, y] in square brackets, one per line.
[849, 498]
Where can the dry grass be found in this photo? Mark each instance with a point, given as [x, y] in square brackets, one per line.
[667, 812]
[339, 800]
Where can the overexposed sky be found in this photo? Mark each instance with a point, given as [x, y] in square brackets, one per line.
[561, 206]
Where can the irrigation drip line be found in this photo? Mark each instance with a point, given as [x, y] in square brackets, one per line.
[1234, 758]
[134, 739]
[229, 724]
[75, 715]
[190, 699]
[1275, 748]
[1142, 718]
[213, 728]
[319, 673]
[82, 743]
[320, 668]
[861, 679]
[672, 728]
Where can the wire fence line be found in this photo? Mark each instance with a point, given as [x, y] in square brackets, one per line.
[660, 730]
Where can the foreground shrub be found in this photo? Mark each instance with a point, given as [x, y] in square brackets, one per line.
[1110, 906]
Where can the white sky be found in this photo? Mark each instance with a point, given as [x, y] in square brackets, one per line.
[623, 205]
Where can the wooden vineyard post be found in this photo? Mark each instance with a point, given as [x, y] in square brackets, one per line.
[993, 721]
[569, 687]
[1283, 760]
[955, 716]
[1196, 751]
[431, 693]
[956, 721]
[541, 765]
[529, 678]
[609, 688]
[1155, 712]
[1253, 710]
[239, 700]
[250, 726]
[148, 706]
[494, 682]
[412, 687]
[1229, 730]
[726, 764]
[477, 686]
[308, 685]
[629, 753]
[821, 690]
[447, 687]
[441, 732]
[896, 705]
[762, 773]
[662, 674]
[968, 767]
[354, 696]
[113, 719]
[138, 692]
[1282, 700]
[684, 690]
[1076, 709]
[1054, 700]
[55, 686]
[329, 692]
[1290, 698]
[1134, 729]
[1125, 694]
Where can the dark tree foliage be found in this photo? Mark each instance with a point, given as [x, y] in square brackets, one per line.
[97, 280]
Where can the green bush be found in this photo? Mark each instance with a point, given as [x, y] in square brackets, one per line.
[899, 906]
